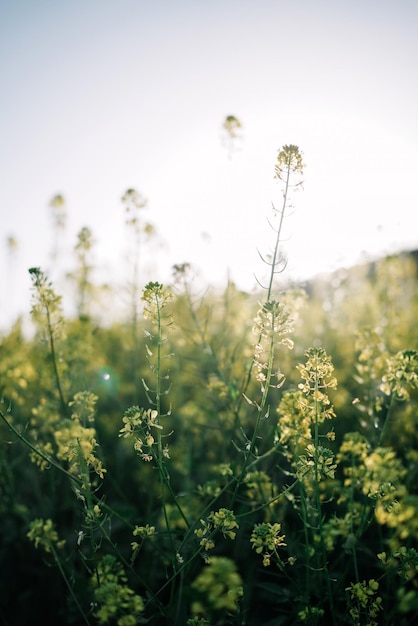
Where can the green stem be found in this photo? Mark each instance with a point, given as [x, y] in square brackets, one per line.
[202, 514]
[43, 456]
[387, 419]
[260, 414]
[353, 550]
[164, 476]
[69, 587]
[158, 373]
[318, 507]
[63, 404]
[123, 560]
[53, 463]
[307, 543]
[87, 494]
[207, 349]
[279, 230]
[272, 274]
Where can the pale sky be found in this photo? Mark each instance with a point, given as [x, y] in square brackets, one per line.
[98, 96]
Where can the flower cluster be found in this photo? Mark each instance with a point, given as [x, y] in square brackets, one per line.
[273, 321]
[372, 355]
[317, 374]
[380, 476]
[143, 532]
[404, 561]
[46, 301]
[384, 474]
[77, 443]
[401, 375]
[365, 604]
[223, 520]
[205, 535]
[354, 448]
[351, 456]
[294, 424]
[116, 601]
[401, 515]
[218, 587]
[318, 461]
[289, 158]
[272, 325]
[44, 452]
[142, 424]
[311, 614]
[338, 528]
[265, 539]
[156, 297]
[43, 533]
[311, 406]
[197, 621]
[83, 407]
[260, 486]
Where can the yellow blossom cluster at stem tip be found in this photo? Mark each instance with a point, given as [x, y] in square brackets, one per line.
[141, 424]
[265, 539]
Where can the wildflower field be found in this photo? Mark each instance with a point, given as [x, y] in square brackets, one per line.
[222, 458]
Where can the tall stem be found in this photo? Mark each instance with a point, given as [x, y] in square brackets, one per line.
[261, 411]
[318, 507]
[387, 420]
[289, 162]
[48, 299]
[159, 456]
[63, 405]
[69, 585]
[279, 231]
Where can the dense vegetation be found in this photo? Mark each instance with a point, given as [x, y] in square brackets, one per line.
[225, 458]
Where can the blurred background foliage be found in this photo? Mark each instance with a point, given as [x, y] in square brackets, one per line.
[361, 316]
